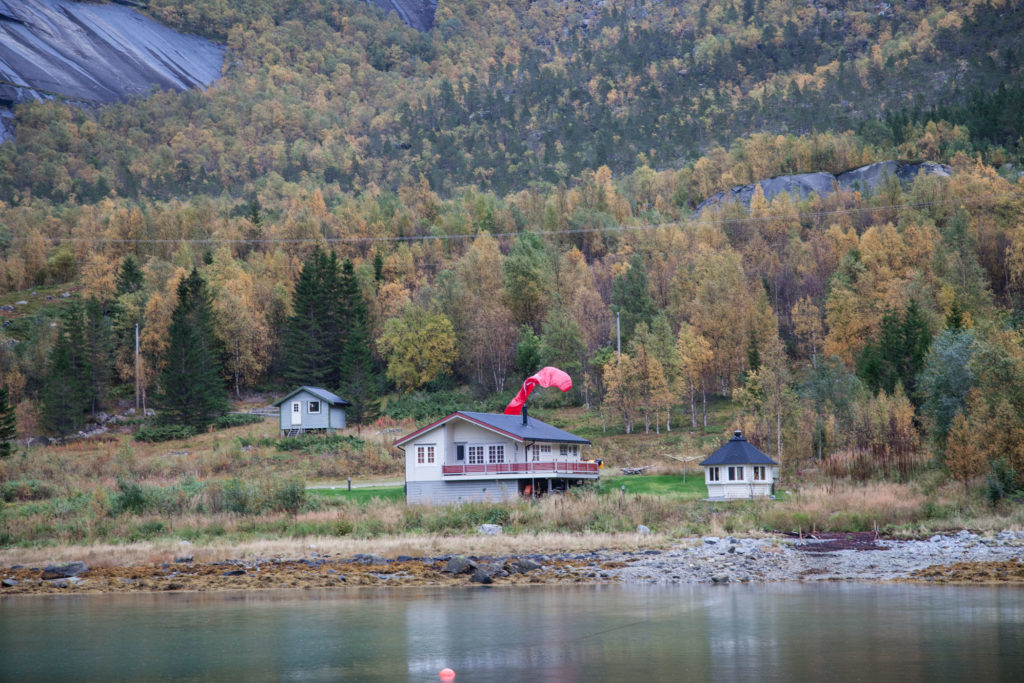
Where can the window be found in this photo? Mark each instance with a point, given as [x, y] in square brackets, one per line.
[541, 452]
[713, 474]
[759, 473]
[565, 450]
[476, 455]
[735, 474]
[425, 455]
[314, 407]
[495, 454]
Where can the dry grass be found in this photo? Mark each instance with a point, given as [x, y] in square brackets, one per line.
[106, 555]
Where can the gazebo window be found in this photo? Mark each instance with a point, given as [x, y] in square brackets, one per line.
[713, 474]
[735, 474]
[759, 473]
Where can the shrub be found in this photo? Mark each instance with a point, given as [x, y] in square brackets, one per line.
[236, 420]
[131, 497]
[158, 433]
[25, 489]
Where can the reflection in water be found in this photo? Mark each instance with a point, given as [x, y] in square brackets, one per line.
[768, 632]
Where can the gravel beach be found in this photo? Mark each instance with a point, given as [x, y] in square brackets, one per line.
[963, 557]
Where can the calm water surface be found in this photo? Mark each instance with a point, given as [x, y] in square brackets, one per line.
[844, 632]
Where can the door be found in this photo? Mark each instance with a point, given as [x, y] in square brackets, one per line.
[296, 413]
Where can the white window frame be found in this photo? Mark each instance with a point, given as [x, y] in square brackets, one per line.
[495, 453]
[309, 407]
[475, 454]
[425, 454]
[541, 450]
[760, 473]
[714, 474]
[736, 473]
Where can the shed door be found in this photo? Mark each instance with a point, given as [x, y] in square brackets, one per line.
[296, 412]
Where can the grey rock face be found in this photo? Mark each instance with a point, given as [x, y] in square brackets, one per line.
[418, 14]
[62, 571]
[97, 53]
[866, 180]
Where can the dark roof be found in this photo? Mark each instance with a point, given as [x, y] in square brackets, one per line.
[738, 451]
[509, 425]
[322, 394]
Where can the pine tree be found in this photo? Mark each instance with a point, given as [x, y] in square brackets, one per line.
[313, 335]
[191, 390]
[8, 424]
[65, 395]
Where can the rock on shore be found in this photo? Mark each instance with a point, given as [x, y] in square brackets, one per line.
[962, 557]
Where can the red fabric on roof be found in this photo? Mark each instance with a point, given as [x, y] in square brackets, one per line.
[546, 377]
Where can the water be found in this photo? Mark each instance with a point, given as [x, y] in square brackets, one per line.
[776, 632]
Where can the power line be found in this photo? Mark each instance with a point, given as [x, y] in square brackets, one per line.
[976, 202]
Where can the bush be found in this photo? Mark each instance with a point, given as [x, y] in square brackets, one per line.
[25, 489]
[422, 405]
[236, 420]
[314, 443]
[1001, 481]
[156, 434]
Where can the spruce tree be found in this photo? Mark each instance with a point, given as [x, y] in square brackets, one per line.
[8, 424]
[359, 380]
[313, 335]
[98, 352]
[191, 389]
[65, 395]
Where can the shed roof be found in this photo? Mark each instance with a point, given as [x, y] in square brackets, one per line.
[509, 425]
[738, 451]
[322, 394]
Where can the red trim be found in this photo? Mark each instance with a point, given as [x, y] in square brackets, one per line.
[467, 418]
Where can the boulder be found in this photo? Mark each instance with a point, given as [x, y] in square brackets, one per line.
[61, 571]
[481, 576]
[490, 529]
[9, 583]
[642, 529]
[525, 564]
[370, 558]
[459, 565]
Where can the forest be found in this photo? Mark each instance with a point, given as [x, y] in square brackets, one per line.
[393, 214]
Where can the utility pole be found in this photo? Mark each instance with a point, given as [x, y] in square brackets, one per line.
[136, 368]
[618, 335]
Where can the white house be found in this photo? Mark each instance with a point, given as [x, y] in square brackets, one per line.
[311, 409]
[471, 456]
[738, 470]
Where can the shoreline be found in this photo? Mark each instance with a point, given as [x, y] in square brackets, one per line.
[963, 558]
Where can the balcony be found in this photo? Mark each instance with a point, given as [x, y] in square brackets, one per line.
[518, 470]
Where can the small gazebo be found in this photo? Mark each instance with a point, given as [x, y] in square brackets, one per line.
[738, 470]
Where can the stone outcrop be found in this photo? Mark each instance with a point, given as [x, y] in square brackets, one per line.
[419, 14]
[866, 180]
[95, 53]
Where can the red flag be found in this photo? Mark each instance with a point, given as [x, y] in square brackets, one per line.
[546, 377]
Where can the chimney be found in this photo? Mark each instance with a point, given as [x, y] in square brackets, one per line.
[524, 414]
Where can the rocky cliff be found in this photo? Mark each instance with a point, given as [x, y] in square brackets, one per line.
[865, 180]
[419, 14]
[95, 53]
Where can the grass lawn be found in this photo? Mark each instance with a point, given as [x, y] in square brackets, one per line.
[670, 485]
[360, 495]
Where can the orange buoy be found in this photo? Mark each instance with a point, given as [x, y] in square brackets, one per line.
[447, 674]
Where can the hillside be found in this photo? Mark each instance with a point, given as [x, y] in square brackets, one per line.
[497, 189]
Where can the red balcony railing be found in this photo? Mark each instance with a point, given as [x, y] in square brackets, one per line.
[545, 468]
